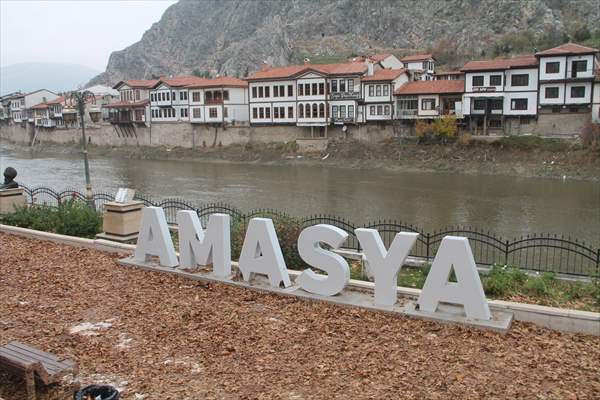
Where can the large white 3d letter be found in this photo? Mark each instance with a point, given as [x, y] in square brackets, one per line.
[309, 249]
[203, 247]
[261, 253]
[385, 265]
[455, 252]
[154, 238]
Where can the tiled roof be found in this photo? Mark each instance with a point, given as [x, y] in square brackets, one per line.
[500, 63]
[379, 57]
[431, 87]
[222, 81]
[294, 70]
[417, 57]
[449, 73]
[44, 105]
[384, 75]
[567, 48]
[180, 81]
[137, 83]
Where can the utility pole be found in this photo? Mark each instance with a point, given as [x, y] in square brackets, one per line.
[80, 98]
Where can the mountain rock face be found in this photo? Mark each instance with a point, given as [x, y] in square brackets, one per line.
[235, 36]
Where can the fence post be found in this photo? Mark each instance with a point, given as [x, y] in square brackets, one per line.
[427, 246]
[506, 253]
[598, 264]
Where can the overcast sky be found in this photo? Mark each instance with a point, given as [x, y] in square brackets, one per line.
[73, 31]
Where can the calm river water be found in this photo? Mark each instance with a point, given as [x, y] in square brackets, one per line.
[504, 205]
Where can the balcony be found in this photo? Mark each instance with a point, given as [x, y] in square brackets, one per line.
[120, 119]
[345, 95]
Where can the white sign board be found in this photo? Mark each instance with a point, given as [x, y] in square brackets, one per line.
[124, 195]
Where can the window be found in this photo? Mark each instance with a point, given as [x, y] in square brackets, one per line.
[314, 89]
[342, 111]
[152, 97]
[261, 113]
[276, 92]
[577, 91]
[350, 111]
[351, 85]
[212, 112]
[300, 90]
[551, 93]
[371, 91]
[496, 104]
[267, 112]
[254, 113]
[290, 112]
[519, 80]
[579, 66]
[196, 95]
[181, 95]
[322, 110]
[377, 90]
[315, 110]
[410, 103]
[253, 92]
[477, 80]
[300, 111]
[427, 104]
[518, 104]
[495, 123]
[225, 112]
[281, 91]
[307, 110]
[379, 110]
[386, 90]
[334, 111]
[425, 65]
[386, 110]
[552, 68]
[342, 85]
[184, 112]
[478, 104]
[276, 112]
[290, 90]
[495, 80]
[372, 110]
[267, 91]
[281, 112]
[137, 94]
[225, 94]
[334, 86]
[307, 89]
[168, 96]
[261, 91]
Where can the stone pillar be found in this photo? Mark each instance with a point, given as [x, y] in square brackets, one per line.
[10, 199]
[121, 221]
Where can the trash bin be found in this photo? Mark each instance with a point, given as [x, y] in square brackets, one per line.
[97, 392]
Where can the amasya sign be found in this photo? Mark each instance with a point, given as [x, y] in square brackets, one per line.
[261, 254]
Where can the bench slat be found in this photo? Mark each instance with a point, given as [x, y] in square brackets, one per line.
[46, 361]
[46, 358]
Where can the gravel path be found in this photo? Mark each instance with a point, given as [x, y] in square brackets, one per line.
[163, 337]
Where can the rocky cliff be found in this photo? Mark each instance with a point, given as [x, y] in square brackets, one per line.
[235, 36]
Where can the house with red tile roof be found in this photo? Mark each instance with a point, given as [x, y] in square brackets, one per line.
[221, 100]
[378, 93]
[501, 95]
[429, 99]
[133, 106]
[566, 77]
[422, 66]
[20, 106]
[169, 98]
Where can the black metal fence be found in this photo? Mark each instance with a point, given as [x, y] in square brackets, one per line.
[535, 252]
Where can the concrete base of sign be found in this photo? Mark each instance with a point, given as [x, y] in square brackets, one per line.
[349, 297]
[500, 321]
[121, 221]
[10, 199]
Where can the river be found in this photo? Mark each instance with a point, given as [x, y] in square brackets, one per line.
[507, 206]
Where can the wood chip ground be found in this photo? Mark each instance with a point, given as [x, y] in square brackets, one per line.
[163, 337]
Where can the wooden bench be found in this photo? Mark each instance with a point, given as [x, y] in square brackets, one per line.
[30, 362]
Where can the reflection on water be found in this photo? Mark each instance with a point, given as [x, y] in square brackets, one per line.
[505, 205]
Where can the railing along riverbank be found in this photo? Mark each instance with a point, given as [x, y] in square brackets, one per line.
[542, 252]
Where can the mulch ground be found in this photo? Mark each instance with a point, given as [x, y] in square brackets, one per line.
[169, 338]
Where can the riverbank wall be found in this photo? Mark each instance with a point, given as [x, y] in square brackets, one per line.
[189, 136]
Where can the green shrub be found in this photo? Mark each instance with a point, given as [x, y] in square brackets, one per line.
[502, 280]
[540, 286]
[72, 217]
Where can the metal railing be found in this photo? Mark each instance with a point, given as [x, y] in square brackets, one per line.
[534, 252]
